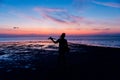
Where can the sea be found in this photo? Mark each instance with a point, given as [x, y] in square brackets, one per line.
[104, 41]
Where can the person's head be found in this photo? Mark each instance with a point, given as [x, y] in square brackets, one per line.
[62, 35]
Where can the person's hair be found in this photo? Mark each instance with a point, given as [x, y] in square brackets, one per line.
[62, 35]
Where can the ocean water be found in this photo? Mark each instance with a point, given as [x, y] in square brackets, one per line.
[105, 41]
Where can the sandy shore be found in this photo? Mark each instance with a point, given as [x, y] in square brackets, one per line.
[39, 61]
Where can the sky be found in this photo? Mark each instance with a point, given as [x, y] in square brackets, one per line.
[74, 17]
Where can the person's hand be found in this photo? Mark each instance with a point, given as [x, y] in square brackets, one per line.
[50, 38]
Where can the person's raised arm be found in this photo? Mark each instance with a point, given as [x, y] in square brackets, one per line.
[53, 40]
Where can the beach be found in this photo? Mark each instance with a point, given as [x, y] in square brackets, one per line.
[39, 60]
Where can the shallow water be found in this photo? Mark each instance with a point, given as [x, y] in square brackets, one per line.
[105, 41]
[24, 54]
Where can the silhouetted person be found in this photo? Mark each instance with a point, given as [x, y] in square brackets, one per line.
[63, 48]
[63, 45]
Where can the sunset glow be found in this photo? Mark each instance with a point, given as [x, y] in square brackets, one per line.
[75, 17]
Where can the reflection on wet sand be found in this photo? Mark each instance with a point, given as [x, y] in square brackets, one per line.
[23, 54]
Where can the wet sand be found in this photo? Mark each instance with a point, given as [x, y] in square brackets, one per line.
[40, 61]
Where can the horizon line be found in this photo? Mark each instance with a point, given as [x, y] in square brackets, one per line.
[42, 35]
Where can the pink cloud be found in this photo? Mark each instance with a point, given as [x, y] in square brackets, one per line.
[71, 19]
[67, 19]
[45, 13]
[76, 18]
[4, 26]
[7, 27]
[49, 9]
[110, 4]
[101, 29]
[54, 19]
[74, 29]
[79, 19]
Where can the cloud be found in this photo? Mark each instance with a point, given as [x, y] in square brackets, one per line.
[77, 29]
[76, 18]
[71, 19]
[49, 9]
[7, 27]
[54, 19]
[109, 4]
[63, 19]
[51, 14]
[104, 29]
[4, 28]
[46, 13]
[62, 16]
[15, 27]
